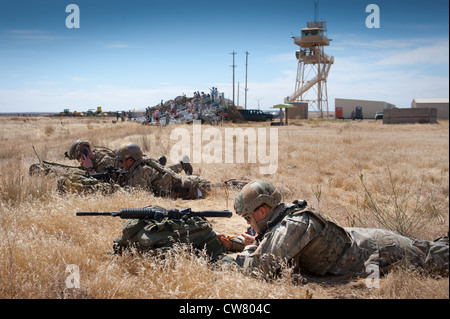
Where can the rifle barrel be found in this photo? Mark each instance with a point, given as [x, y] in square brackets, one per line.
[213, 213]
[95, 214]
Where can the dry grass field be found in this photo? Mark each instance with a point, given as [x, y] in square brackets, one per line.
[360, 173]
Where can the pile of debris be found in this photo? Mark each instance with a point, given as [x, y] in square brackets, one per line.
[209, 109]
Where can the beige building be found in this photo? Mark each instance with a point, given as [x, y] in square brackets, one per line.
[344, 107]
[441, 104]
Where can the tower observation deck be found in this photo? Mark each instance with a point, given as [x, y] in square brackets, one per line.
[313, 67]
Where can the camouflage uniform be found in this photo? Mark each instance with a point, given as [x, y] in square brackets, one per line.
[183, 165]
[149, 174]
[78, 181]
[311, 241]
[103, 156]
[144, 173]
[71, 179]
[179, 167]
[51, 169]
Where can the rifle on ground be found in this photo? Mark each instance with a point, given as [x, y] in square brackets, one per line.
[153, 213]
[115, 175]
[51, 163]
[37, 155]
[45, 168]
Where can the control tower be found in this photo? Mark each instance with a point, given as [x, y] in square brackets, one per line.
[313, 67]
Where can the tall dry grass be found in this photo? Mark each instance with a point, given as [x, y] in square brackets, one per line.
[349, 170]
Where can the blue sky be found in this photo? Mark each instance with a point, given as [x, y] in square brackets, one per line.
[135, 53]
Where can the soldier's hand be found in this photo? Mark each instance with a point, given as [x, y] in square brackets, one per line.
[224, 239]
[86, 161]
[249, 240]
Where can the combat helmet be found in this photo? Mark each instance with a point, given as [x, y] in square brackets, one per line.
[185, 159]
[255, 194]
[129, 150]
[75, 149]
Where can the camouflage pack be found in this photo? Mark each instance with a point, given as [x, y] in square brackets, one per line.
[80, 183]
[45, 168]
[153, 235]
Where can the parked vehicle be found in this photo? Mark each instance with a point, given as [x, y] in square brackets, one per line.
[256, 115]
[357, 113]
[378, 116]
[275, 114]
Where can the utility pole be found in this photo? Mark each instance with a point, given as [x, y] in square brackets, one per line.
[246, 66]
[233, 66]
[316, 11]
[238, 95]
[258, 103]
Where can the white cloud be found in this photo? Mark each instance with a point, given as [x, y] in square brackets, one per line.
[34, 35]
[394, 71]
[267, 94]
[283, 57]
[119, 45]
[77, 78]
[110, 97]
[434, 54]
[398, 84]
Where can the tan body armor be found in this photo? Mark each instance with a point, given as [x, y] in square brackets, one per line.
[322, 252]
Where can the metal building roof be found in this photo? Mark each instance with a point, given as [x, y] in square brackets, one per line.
[431, 100]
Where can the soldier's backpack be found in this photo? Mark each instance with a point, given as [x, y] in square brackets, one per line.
[156, 235]
[80, 183]
[45, 168]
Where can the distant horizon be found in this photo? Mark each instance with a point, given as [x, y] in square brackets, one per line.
[140, 111]
[125, 55]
